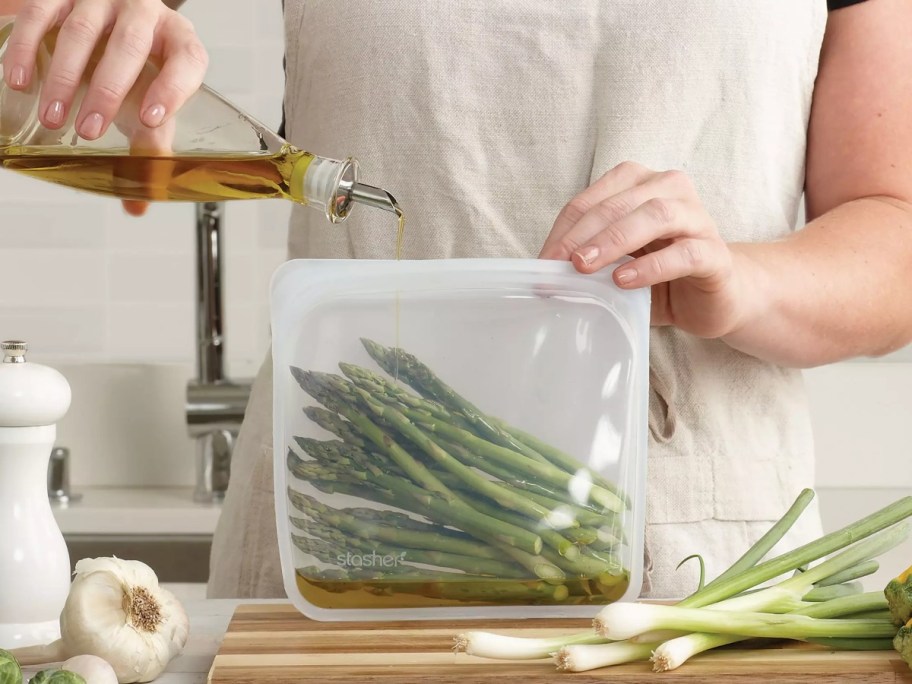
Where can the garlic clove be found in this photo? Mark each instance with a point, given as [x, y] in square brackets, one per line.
[94, 670]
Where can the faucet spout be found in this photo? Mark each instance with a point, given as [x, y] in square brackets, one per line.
[209, 321]
[215, 405]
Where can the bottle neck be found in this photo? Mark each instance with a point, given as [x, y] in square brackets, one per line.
[327, 185]
[333, 187]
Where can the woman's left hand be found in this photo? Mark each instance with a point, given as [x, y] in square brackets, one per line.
[657, 218]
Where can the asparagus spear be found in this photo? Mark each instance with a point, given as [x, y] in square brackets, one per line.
[557, 457]
[507, 476]
[497, 591]
[488, 488]
[326, 552]
[414, 534]
[324, 451]
[315, 385]
[509, 458]
[426, 383]
[398, 555]
[376, 384]
[514, 540]
[449, 586]
[446, 513]
[601, 537]
[388, 391]
[337, 425]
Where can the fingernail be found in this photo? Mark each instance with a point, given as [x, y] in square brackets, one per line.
[626, 275]
[154, 115]
[588, 254]
[55, 113]
[17, 76]
[91, 126]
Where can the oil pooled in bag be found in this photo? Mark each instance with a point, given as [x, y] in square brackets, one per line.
[409, 593]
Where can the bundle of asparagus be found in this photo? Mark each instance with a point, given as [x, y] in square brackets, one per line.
[485, 512]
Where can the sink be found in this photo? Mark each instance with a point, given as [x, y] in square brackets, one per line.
[174, 558]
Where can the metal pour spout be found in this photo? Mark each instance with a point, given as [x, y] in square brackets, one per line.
[374, 197]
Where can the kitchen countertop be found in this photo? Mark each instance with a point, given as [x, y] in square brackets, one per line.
[136, 510]
[209, 619]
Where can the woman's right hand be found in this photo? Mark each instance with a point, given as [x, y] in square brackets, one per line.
[136, 30]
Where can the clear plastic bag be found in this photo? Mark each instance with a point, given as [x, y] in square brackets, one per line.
[458, 438]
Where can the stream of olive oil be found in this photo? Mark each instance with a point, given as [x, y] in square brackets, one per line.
[399, 234]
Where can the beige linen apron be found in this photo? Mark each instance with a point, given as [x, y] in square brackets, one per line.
[484, 118]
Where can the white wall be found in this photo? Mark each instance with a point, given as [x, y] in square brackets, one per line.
[84, 283]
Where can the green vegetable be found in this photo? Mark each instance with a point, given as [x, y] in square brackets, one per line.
[732, 608]
[490, 500]
[54, 676]
[10, 672]
[899, 596]
[902, 642]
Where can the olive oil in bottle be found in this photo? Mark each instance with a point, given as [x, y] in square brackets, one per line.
[185, 178]
[208, 151]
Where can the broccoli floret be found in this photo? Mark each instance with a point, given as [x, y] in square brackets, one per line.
[899, 597]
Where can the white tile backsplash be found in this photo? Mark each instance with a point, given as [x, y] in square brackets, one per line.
[63, 332]
[53, 226]
[50, 277]
[126, 424]
[150, 333]
[150, 278]
[166, 227]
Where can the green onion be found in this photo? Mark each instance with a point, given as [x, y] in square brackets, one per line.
[488, 645]
[818, 603]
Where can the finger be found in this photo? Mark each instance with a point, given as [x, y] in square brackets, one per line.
[184, 65]
[146, 173]
[654, 219]
[688, 258]
[135, 207]
[32, 23]
[76, 41]
[615, 181]
[125, 56]
[604, 215]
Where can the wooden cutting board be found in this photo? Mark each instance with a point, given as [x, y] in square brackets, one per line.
[275, 644]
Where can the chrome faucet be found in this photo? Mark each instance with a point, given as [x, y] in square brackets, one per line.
[215, 405]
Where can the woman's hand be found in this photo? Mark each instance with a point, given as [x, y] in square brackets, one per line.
[136, 30]
[657, 218]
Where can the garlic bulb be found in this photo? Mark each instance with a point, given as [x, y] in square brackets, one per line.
[117, 611]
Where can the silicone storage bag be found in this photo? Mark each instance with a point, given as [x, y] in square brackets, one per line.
[458, 438]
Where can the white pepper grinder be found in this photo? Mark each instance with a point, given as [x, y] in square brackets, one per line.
[34, 562]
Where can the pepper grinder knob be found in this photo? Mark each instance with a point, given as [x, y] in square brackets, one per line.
[14, 351]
